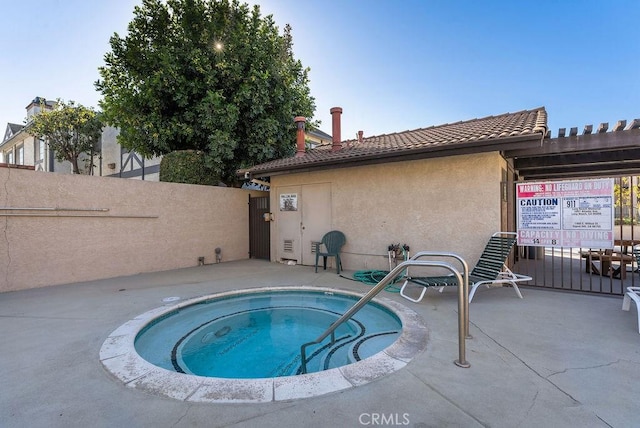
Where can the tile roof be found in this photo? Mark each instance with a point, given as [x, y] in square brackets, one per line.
[471, 135]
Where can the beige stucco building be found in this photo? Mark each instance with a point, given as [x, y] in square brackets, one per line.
[435, 204]
[441, 188]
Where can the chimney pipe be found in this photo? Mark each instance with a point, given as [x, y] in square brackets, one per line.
[300, 145]
[335, 118]
[360, 136]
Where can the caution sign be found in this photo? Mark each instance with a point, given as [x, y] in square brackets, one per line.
[576, 213]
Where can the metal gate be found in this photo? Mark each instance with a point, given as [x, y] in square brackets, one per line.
[259, 228]
[593, 270]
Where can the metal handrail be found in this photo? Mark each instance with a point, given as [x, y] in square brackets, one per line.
[465, 277]
[379, 287]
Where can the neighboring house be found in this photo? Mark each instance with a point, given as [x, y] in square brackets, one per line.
[14, 146]
[115, 161]
[118, 162]
[21, 148]
[316, 137]
[18, 147]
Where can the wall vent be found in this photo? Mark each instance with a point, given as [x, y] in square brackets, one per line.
[288, 245]
[313, 247]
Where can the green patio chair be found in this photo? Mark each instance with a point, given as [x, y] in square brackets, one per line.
[635, 251]
[332, 242]
[490, 269]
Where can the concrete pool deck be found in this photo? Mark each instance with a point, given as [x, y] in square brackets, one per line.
[550, 359]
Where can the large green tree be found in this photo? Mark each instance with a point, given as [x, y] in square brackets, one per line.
[207, 75]
[69, 130]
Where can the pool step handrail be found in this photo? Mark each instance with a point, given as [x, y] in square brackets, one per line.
[463, 295]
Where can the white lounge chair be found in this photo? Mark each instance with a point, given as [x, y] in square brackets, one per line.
[490, 270]
[633, 293]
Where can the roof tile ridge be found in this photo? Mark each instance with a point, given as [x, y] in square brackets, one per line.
[537, 110]
[541, 121]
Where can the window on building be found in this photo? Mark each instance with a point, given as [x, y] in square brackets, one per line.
[40, 150]
[9, 157]
[20, 155]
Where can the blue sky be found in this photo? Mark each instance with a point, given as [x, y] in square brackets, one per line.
[392, 65]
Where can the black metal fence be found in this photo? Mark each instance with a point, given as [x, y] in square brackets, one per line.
[259, 228]
[592, 270]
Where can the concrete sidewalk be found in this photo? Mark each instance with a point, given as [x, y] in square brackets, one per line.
[550, 360]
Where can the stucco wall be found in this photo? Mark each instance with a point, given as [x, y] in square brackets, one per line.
[447, 204]
[149, 226]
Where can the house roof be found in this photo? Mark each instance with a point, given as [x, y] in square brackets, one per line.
[41, 100]
[12, 129]
[15, 127]
[470, 136]
[320, 134]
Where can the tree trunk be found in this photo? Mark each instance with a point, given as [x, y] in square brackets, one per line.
[74, 163]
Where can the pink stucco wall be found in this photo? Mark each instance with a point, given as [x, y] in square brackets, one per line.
[107, 227]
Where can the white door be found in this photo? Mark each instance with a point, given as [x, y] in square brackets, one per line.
[316, 218]
[304, 216]
[288, 220]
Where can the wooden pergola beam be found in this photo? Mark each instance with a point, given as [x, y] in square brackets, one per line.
[620, 125]
[600, 152]
[603, 127]
[581, 143]
[635, 123]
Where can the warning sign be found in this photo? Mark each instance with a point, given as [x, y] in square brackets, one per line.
[566, 213]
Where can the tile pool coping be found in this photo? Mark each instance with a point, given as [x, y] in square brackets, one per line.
[119, 356]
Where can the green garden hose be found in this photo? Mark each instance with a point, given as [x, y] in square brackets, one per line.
[373, 277]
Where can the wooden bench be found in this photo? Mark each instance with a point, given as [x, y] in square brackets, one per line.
[606, 267]
[626, 244]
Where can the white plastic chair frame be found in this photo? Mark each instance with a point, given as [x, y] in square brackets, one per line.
[633, 293]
